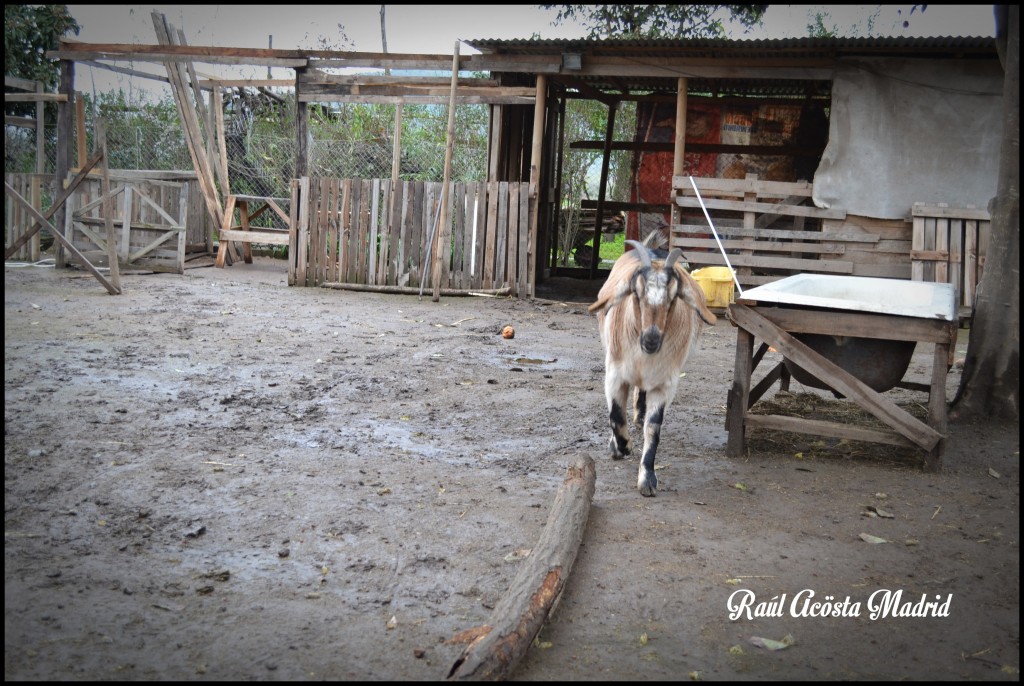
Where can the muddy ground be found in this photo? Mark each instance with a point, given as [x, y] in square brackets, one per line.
[216, 476]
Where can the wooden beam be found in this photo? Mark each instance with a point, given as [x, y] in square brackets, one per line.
[35, 97]
[417, 99]
[20, 83]
[536, 153]
[679, 145]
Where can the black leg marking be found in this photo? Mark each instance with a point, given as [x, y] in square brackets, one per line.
[640, 410]
[647, 480]
[619, 444]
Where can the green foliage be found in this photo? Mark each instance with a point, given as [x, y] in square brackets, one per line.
[657, 21]
[29, 31]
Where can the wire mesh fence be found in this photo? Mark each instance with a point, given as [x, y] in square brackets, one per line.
[346, 141]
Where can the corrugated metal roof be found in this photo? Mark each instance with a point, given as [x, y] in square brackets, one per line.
[813, 50]
[774, 47]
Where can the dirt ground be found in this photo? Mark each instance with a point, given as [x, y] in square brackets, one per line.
[215, 476]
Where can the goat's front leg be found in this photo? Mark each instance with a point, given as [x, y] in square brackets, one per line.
[647, 480]
[639, 407]
[617, 395]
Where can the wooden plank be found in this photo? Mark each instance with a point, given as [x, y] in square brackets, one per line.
[193, 137]
[971, 271]
[248, 237]
[501, 234]
[788, 263]
[525, 277]
[942, 229]
[108, 206]
[859, 324]
[781, 234]
[492, 226]
[374, 234]
[381, 250]
[762, 207]
[479, 236]
[303, 231]
[227, 221]
[819, 427]
[837, 378]
[394, 231]
[365, 202]
[760, 187]
[761, 246]
[458, 205]
[512, 276]
[944, 211]
[293, 226]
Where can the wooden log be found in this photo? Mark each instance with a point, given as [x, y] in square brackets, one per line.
[413, 290]
[518, 617]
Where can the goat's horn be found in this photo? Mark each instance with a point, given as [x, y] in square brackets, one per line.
[672, 257]
[642, 252]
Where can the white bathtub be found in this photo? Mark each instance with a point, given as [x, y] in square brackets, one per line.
[860, 293]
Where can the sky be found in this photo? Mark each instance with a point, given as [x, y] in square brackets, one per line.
[434, 29]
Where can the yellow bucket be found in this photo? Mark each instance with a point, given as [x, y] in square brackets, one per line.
[717, 284]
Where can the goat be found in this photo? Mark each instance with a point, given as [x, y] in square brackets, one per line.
[649, 314]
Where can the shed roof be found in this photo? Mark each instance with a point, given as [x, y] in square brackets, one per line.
[726, 66]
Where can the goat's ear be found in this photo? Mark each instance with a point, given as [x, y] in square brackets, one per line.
[610, 299]
[688, 293]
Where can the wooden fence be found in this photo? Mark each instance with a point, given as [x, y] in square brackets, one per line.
[949, 246]
[374, 233]
[17, 220]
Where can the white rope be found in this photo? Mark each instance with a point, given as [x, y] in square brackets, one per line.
[717, 239]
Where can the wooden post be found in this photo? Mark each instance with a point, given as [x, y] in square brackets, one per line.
[65, 137]
[679, 154]
[100, 143]
[40, 132]
[595, 256]
[441, 247]
[535, 160]
[301, 131]
[80, 130]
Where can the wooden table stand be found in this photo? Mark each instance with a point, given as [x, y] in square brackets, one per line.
[774, 326]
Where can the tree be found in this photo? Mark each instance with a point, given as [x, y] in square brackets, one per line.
[657, 21]
[990, 383]
[29, 31]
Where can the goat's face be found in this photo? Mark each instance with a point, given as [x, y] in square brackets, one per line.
[655, 292]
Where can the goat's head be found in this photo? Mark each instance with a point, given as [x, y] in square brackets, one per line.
[656, 288]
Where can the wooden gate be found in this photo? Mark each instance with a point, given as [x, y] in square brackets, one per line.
[150, 218]
[366, 231]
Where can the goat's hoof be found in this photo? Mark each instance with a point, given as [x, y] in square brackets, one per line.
[648, 484]
[613, 448]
